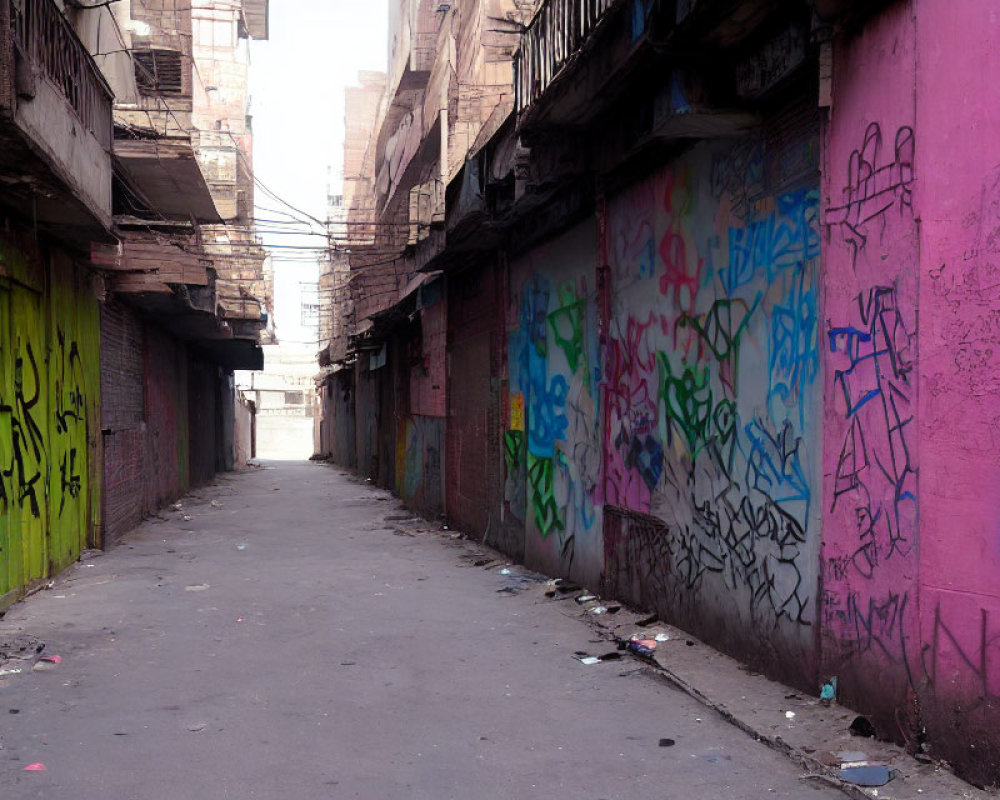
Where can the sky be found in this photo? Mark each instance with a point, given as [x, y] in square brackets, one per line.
[297, 81]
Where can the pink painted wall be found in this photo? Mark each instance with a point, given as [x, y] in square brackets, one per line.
[911, 554]
[958, 121]
[869, 623]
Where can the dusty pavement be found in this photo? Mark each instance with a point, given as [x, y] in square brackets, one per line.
[287, 641]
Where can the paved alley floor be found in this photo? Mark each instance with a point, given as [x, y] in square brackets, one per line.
[276, 638]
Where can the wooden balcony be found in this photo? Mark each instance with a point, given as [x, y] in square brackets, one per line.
[554, 36]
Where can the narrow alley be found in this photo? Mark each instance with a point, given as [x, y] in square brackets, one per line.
[277, 635]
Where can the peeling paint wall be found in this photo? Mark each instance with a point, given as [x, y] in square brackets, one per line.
[49, 406]
[711, 393]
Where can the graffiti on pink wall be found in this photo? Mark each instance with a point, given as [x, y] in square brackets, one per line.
[711, 384]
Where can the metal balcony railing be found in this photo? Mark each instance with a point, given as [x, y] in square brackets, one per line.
[556, 33]
[46, 38]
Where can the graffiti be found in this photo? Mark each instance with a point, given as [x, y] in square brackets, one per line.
[25, 470]
[69, 414]
[541, 474]
[711, 391]
[775, 467]
[738, 176]
[780, 241]
[793, 358]
[875, 186]
[875, 460]
[963, 647]
[869, 624]
[554, 466]
[721, 330]
[687, 399]
[567, 323]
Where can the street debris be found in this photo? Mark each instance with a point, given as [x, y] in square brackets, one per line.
[789, 715]
[177, 506]
[188, 518]
[35, 768]
[662, 637]
[643, 648]
[46, 663]
[11, 671]
[599, 610]
[667, 742]
[862, 726]
[867, 775]
[586, 598]
[505, 571]
[828, 692]
[215, 504]
[241, 546]
[201, 587]
[197, 727]
[585, 658]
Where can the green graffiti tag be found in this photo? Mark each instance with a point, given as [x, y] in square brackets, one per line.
[541, 474]
[567, 325]
[513, 451]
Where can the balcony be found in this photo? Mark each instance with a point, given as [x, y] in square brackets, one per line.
[55, 121]
[554, 36]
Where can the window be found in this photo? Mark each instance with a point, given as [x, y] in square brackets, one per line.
[294, 398]
[159, 71]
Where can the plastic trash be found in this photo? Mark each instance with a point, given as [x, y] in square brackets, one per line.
[828, 693]
[505, 571]
[641, 647]
[867, 775]
[667, 742]
[201, 587]
[598, 610]
[789, 715]
[35, 768]
[188, 518]
[586, 598]
[662, 637]
[216, 504]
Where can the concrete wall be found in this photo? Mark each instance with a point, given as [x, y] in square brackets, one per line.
[712, 394]
[552, 441]
[49, 414]
[243, 430]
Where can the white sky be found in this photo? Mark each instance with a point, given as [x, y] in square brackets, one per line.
[297, 80]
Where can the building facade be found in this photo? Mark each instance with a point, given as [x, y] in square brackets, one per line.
[691, 302]
[116, 354]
